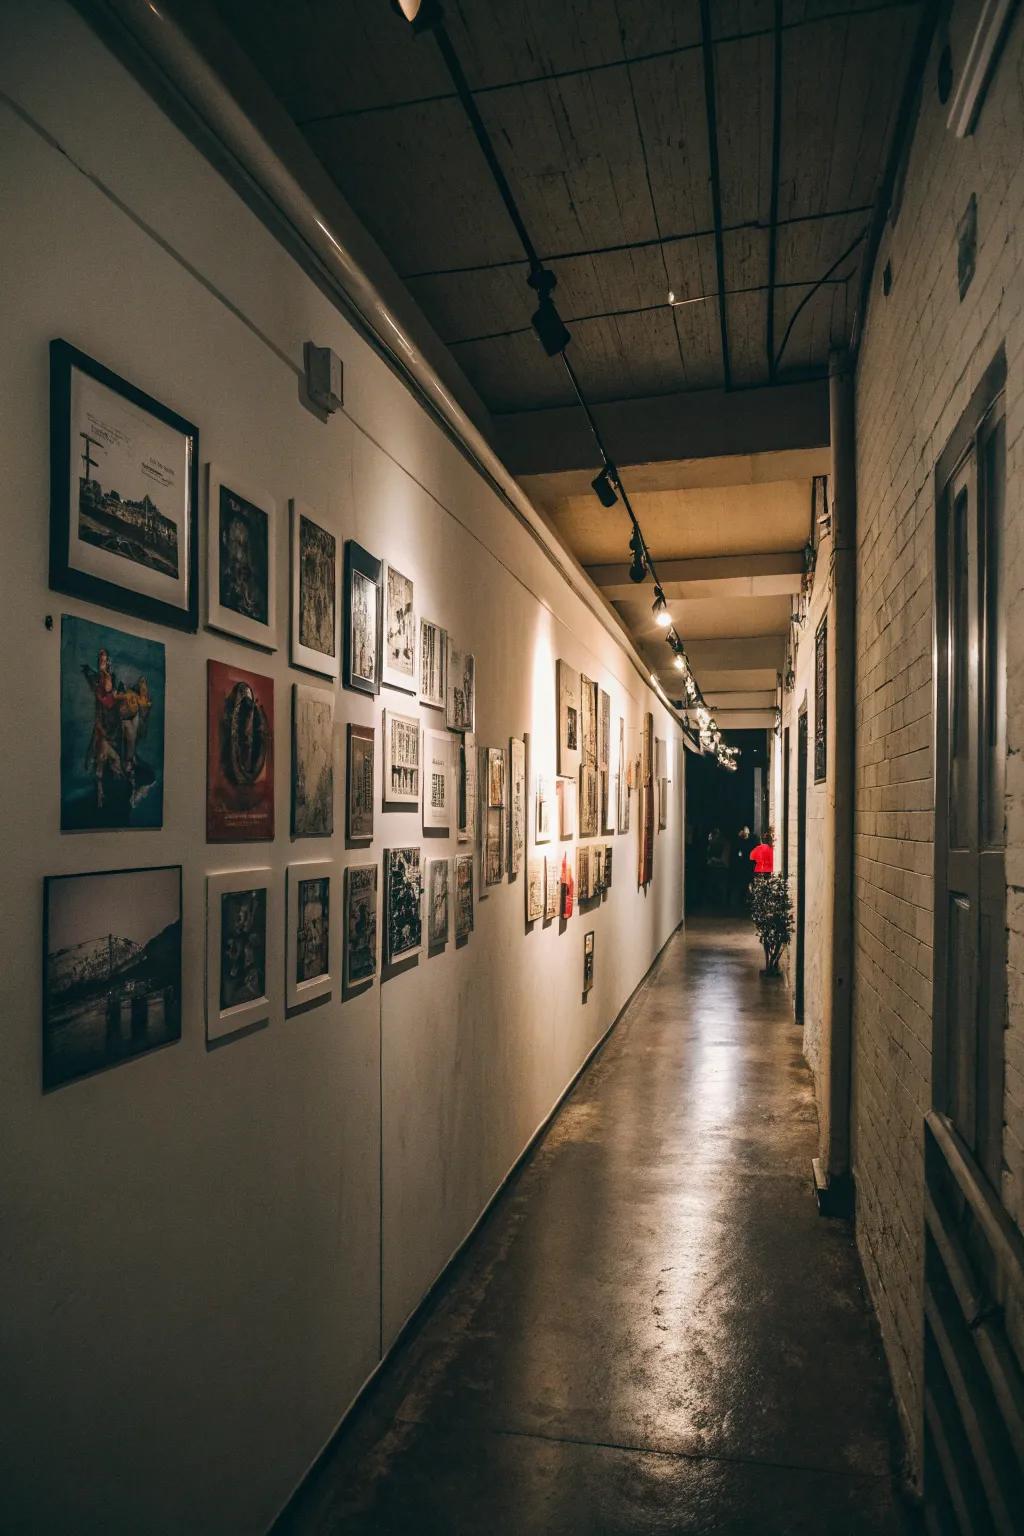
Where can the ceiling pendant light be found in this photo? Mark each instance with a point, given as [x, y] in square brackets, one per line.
[662, 617]
[421, 14]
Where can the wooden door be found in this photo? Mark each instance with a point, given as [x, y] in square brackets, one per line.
[974, 1254]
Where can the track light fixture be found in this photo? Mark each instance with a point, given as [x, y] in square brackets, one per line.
[662, 617]
[546, 321]
[604, 488]
[638, 565]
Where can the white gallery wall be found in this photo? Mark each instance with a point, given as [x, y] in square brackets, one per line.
[204, 1253]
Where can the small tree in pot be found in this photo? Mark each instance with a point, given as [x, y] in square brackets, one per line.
[772, 911]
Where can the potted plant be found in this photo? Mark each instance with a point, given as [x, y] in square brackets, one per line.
[772, 911]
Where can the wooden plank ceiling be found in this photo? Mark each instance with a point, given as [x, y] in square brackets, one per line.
[601, 114]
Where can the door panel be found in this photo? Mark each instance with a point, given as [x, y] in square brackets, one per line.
[974, 1254]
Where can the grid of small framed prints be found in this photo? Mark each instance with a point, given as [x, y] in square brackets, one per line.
[124, 536]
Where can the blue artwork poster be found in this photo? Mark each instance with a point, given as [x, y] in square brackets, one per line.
[112, 692]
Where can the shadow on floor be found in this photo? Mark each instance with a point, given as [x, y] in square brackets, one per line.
[654, 1332]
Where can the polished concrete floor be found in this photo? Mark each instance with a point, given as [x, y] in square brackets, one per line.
[654, 1332]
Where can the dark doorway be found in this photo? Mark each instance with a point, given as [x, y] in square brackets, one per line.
[801, 862]
[718, 798]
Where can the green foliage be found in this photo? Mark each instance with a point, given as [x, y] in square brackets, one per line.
[772, 911]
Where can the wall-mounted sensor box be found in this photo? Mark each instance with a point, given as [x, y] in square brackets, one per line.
[324, 378]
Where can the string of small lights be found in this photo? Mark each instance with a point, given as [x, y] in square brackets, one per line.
[554, 337]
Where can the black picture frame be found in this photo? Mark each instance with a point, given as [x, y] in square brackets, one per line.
[133, 1028]
[358, 559]
[821, 702]
[66, 577]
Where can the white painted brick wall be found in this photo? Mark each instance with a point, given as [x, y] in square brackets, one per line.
[922, 356]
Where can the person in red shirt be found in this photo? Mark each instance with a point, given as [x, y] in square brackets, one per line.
[763, 856]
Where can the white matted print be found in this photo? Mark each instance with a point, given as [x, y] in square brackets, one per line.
[401, 635]
[241, 545]
[311, 921]
[241, 926]
[534, 888]
[316, 593]
[401, 758]
[437, 781]
[433, 664]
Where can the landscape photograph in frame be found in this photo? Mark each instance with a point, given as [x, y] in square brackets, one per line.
[124, 494]
[111, 968]
[463, 897]
[112, 699]
[363, 619]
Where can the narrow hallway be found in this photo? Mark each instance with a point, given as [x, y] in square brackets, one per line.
[654, 1331]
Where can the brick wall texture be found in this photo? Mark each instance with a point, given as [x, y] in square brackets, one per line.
[923, 353]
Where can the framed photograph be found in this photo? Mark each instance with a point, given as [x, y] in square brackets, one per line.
[315, 584]
[360, 924]
[240, 920]
[623, 778]
[403, 892]
[364, 612]
[466, 760]
[566, 886]
[401, 758]
[662, 804]
[494, 845]
[608, 867]
[438, 919]
[660, 770]
[312, 761]
[112, 694]
[124, 494]
[582, 872]
[565, 791]
[460, 687]
[111, 968]
[437, 782]
[400, 632]
[239, 755]
[568, 720]
[588, 722]
[588, 960]
[604, 730]
[542, 829]
[597, 870]
[433, 664]
[495, 776]
[241, 560]
[534, 889]
[463, 897]
[517, 806]
[588, 801]
[310, 925]
[359, 782]
[552, 887]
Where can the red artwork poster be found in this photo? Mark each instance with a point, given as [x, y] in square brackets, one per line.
[239, 755]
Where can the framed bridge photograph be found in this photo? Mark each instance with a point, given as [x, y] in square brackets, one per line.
[124, 494]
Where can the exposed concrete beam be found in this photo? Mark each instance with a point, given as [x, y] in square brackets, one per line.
[717, 576]
[736, 654]
[701, 423]
[725, 471]
[717, 698]
[754, 679]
